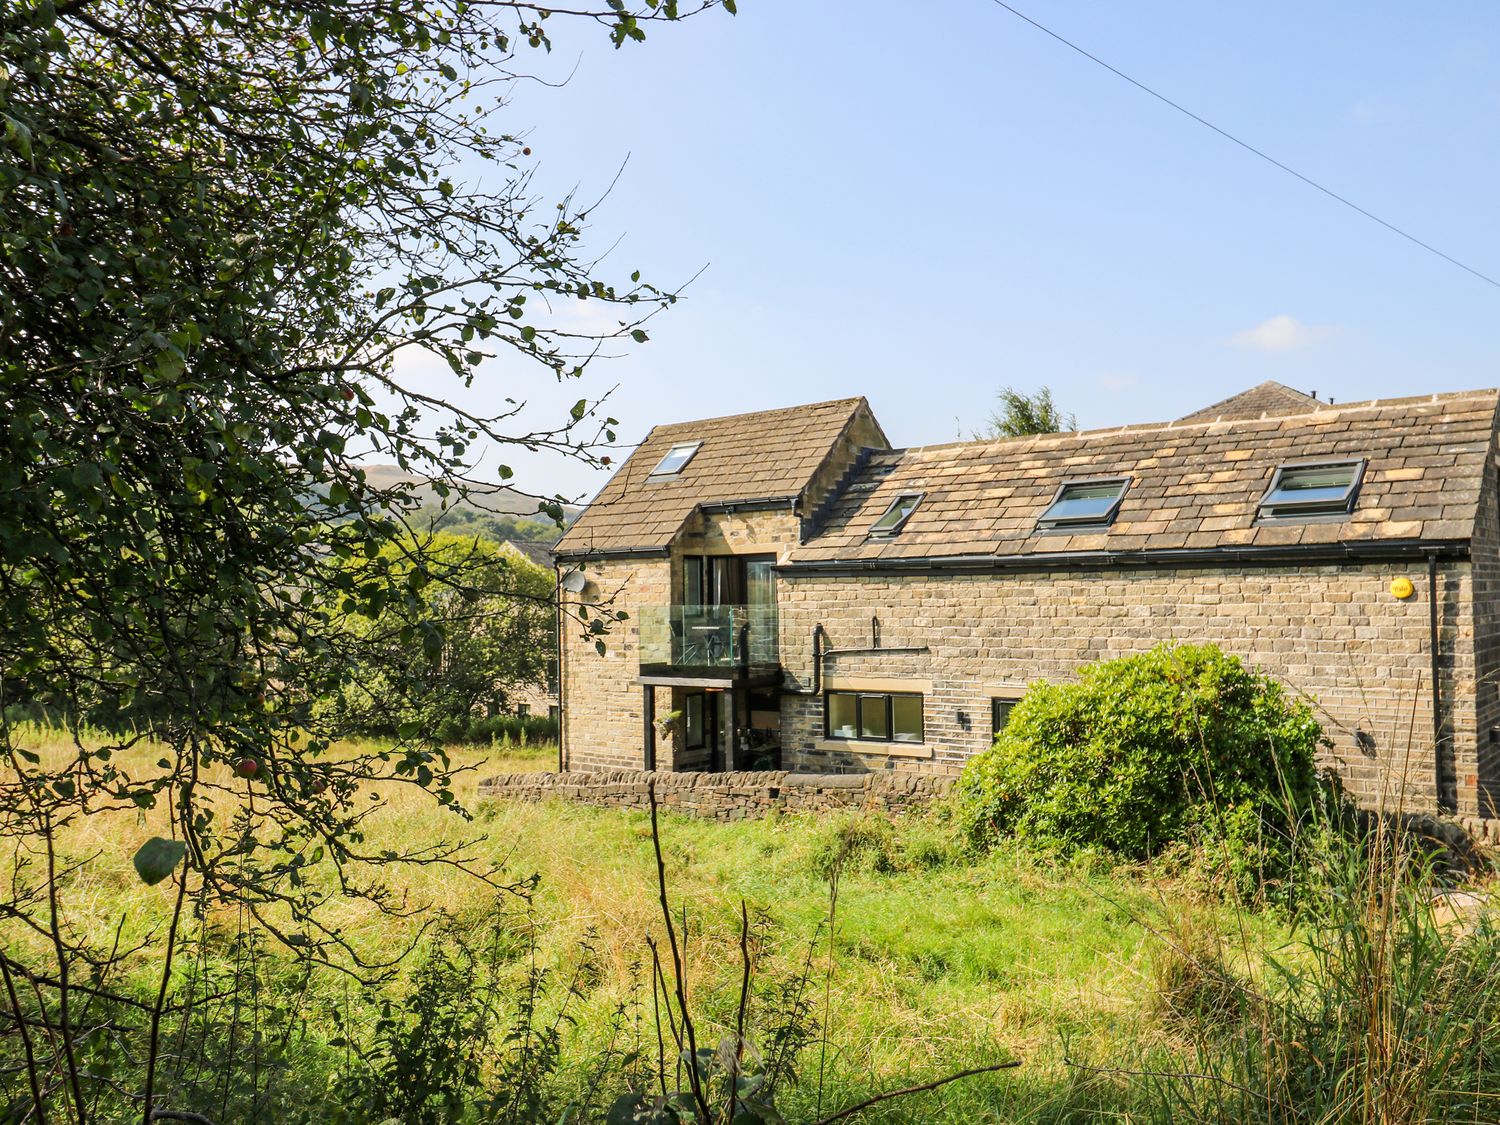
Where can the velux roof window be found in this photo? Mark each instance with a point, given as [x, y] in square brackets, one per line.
[897, 514]
[1326, 488]
[1085, 503]
[676, 459]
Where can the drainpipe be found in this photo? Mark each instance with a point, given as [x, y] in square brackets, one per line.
[820, 635]
[1437, 691]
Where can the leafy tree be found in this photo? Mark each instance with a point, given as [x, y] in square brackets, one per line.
[220, 226]
[481, 629]
[1021, 415]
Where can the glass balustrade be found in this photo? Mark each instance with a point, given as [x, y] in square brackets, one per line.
[709, 636]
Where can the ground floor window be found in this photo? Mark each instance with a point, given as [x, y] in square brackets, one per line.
[692, 721]
[1000, 710]
[873, 716]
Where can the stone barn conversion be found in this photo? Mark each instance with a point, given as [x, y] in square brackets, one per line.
[801, 596]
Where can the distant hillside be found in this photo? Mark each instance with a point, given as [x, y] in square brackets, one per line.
[498, 499]
[495, 511]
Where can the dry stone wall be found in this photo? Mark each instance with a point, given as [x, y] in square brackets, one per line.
[723, 796]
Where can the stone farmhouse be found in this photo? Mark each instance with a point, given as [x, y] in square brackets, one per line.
[800, 595]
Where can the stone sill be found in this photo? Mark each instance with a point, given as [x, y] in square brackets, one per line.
[886, 749]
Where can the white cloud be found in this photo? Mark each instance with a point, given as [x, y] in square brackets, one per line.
[1279, 334]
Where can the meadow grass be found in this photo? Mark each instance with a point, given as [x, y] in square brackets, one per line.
[942, 959]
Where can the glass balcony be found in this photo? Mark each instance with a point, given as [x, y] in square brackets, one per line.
[709, 636]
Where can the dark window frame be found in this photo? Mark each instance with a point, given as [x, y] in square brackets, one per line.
[1293, 510]
[1008, 702]
[659, 473]
[878, 532]
[890, 716]
[1070, 523]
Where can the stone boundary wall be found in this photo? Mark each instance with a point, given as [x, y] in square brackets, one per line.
[724, 796]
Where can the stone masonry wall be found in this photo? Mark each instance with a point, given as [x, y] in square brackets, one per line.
[1335, 633]
[723, 796]
[601, 700]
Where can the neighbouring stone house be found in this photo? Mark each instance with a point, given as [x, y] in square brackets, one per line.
[801, 595]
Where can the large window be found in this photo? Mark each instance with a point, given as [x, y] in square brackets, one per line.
[1085, 503]
[1327, 488]
[873, 716]
[676, 459]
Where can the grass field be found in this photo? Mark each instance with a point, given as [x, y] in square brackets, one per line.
[941, 960]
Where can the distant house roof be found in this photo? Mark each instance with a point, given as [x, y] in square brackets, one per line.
[770, 455]
[1193, 483]
[538, 553]
[1268, 400]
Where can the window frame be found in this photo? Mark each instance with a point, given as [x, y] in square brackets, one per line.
[1292, 510]
[887, 699]
[996, 702]
[659, 473]
[1067, 523]
[878, 532]
[687, 720]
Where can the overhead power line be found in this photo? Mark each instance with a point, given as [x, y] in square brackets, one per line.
[1269, 159]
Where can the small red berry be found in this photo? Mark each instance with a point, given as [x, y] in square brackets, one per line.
[526, 151]
[348, 394]
[247, 767]
[319, 786]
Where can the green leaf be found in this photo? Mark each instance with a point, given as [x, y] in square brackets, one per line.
[157, 858]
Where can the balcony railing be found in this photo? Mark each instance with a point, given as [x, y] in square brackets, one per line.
[709, 636]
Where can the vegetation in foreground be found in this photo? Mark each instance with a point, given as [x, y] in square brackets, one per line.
[1110, 982]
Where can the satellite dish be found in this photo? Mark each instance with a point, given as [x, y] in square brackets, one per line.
[574, 581]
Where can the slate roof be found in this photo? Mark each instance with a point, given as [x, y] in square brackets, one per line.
[1269, 400]
[1195, 484]
[770, 454]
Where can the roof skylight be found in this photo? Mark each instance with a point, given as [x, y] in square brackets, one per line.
[676, 459]
[897, 514]
[1325, 488]
[1085, 503]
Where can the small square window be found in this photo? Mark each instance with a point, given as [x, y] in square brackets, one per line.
[897, 514]
[1327, 488]
[676, 459]
[1000, 710]
[1085, 503]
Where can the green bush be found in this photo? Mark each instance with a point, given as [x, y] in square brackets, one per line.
[1180, 743]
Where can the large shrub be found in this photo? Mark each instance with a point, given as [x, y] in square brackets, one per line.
[1179, 742]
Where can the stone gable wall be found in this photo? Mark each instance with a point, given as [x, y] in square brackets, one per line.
[722, 796]
[602, 705]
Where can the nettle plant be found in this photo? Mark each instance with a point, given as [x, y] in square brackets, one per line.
[220, 225]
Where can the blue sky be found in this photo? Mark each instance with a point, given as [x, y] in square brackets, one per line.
[921, 203]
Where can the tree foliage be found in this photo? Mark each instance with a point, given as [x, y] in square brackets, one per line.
[482, 630]
[221, 227]
[1021, 415]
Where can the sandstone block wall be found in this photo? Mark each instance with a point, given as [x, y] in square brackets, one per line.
[601, 702]
[1333, 633]
[722, 796]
